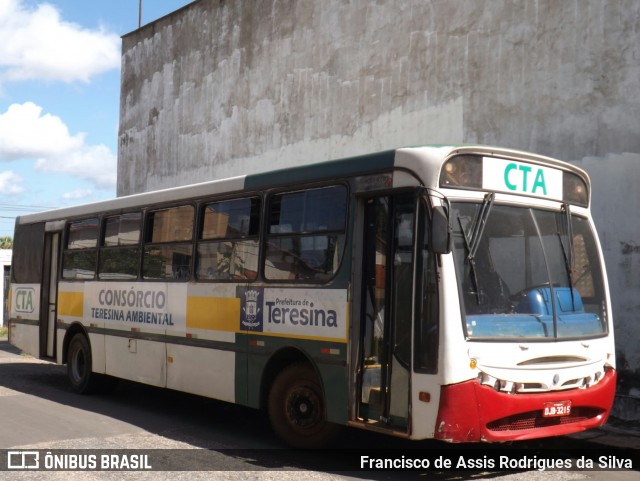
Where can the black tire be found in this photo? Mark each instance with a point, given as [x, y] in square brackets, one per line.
[79, 362]
[297, 408]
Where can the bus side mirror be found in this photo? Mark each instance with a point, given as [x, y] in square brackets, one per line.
[440, 241]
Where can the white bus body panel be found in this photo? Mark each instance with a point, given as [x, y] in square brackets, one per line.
[26, 338]
[203, 371]
[136, 360]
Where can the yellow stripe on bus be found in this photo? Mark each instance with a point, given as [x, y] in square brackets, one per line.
[295, 336]
[215, 313]
[70, 303]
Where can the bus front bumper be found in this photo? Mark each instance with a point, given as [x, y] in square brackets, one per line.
[470, 412]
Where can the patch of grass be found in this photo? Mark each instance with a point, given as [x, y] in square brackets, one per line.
[3, 331]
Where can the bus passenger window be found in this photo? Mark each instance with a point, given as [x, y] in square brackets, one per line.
[228, 245]
[79, 257]
[120, 251]
[306, 234]
[168, 244]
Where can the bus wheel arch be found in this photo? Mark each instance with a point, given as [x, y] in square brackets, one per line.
[296, 402]
[71, 332]
[275, 365]
[78, 356]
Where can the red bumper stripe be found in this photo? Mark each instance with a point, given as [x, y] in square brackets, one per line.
[470, 412]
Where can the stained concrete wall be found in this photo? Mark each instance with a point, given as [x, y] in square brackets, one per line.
[221, 88]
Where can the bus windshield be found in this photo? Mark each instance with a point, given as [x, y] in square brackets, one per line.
[527, 273]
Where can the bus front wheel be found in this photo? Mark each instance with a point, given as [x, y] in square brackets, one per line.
[297, 409]
[79, 365]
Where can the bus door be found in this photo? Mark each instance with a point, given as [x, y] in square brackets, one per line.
[386, 311]
[49, 293]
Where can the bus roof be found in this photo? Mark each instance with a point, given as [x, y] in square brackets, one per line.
[326, 170]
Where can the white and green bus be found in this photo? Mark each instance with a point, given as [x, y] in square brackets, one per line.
[448, 292]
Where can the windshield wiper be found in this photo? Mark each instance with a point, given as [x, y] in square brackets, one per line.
[472, 239]
[472, 264]
[480, 224]
[568, 253]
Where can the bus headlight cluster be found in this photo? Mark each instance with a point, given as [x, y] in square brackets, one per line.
[513, 387]
[499, 385]
[591, 380]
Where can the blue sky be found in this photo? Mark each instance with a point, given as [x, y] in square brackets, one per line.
[60, 99]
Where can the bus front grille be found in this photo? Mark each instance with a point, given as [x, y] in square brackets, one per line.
[534, 419]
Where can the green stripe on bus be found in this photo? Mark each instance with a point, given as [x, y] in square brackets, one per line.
[333, 169]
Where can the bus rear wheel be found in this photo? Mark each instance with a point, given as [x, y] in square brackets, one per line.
[297, 408]
[79, 364]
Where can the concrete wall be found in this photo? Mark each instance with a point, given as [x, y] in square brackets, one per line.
[228, 87]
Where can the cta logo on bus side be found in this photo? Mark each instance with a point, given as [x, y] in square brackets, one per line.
[24, 301]
[502, 175]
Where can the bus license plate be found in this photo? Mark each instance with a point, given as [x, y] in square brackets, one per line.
[555, 409]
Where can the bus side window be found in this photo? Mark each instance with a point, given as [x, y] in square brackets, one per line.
[168, 244]
[80, 254]
[306, 234]
[228, 243]
[120, 247]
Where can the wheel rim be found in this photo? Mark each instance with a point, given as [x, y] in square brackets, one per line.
[303, 409]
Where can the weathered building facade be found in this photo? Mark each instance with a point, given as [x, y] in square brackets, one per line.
[221, 88]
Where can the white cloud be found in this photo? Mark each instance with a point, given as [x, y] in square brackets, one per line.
[77, 194]
[10, 183]
[25, 132]
[94, 163]
[37, 44]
